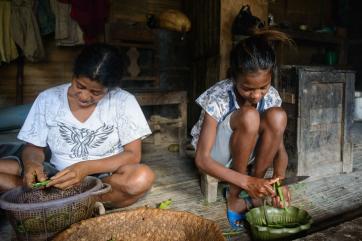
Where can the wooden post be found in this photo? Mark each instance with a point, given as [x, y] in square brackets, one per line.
[20, 78]
[209, 187]
[183, 128]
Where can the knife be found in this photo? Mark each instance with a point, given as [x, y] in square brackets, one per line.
[292, 180]
[284, 182]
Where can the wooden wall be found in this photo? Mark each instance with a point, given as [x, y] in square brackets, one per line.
[54, 70]
[57, 67]
[137, 10]
[309, 12]
[205, 47]
[7, 84]
[229, 10]
[314, 14]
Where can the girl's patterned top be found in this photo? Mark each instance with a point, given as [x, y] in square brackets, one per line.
[219, 101]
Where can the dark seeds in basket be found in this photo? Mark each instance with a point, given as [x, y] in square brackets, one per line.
[48, 194]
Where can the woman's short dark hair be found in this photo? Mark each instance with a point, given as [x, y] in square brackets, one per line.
[256, 53]
[101, 63]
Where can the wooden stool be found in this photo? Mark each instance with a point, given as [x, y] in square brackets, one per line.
[209, 187]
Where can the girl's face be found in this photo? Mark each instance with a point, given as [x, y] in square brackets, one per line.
[253, 86]
[86, 91]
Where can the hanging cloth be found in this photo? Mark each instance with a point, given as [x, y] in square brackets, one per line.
[45, 16]
[91, 16]
[8, 50]
[25, 30]
[67, 31]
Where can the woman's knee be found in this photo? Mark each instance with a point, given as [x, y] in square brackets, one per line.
[140, 180]
[246, 119]
[10, 166]
[275, 119]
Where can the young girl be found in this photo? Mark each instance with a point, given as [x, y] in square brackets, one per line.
[242, 121]
[91, 126]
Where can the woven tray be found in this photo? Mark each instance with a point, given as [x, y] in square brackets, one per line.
[143, 224]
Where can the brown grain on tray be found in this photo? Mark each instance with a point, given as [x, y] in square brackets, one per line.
[144, 224]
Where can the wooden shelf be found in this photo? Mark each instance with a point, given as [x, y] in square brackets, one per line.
[326, 38]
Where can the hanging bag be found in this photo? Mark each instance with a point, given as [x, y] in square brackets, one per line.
[245, 23]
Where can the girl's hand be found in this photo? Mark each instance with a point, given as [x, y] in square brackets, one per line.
[277, 203]
[259, 187]
[68, 177]
[33, 172]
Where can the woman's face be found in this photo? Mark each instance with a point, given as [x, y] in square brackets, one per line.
[86, 91]
[253, 86]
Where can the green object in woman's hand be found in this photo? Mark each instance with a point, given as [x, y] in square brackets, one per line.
[40, 184]
[279, 192]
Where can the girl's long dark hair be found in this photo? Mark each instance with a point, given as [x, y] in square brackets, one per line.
[256, 52]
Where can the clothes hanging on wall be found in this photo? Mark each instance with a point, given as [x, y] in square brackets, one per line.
[91, 16]
[45, 16]
[25, 30]
[8, 50]
[67, 31]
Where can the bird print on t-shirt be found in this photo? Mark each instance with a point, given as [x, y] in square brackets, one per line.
[83, 139]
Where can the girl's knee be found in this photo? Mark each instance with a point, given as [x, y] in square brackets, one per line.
[246, 119]
[276, 119]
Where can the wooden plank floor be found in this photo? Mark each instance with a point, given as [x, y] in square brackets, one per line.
[177, 178]
[351, 231]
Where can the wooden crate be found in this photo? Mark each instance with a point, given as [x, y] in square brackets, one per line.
[319, 104]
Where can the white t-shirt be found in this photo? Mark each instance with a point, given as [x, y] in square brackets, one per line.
[116, 121]
[219, 101]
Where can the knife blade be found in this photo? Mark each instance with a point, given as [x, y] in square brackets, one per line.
[292, 180]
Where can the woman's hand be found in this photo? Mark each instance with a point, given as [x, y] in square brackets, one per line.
[33, 172]
[259, 187]
[68, 177]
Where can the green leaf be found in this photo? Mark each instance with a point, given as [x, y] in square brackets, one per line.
[40, 184]
[165, 204]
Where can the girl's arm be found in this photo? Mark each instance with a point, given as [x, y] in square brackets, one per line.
[254, 186]
[76, 172]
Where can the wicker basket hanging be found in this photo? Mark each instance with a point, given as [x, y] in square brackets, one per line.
[143, 224]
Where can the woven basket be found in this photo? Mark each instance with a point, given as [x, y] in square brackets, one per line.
[143, 224]
[39, 214]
